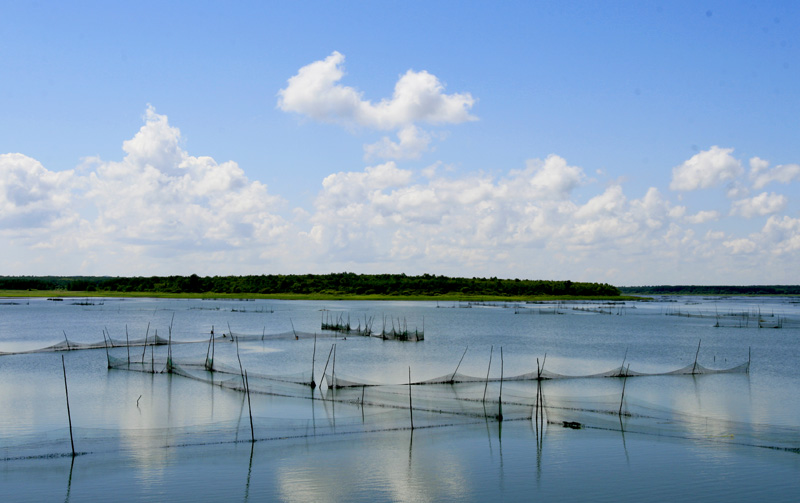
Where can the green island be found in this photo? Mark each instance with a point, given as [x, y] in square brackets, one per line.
[774, 290]
[336, 286]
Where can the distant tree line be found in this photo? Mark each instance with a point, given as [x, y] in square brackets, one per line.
[338, 283]
[712, 290]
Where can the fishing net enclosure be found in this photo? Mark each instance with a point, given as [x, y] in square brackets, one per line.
[300, 390]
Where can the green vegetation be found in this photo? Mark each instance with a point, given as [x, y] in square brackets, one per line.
[311, 286]
[712, 290]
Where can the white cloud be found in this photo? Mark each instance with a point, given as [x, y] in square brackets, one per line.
[33, 198]
[160, 210]
[702, 217]
[706, 169]
[740, 246]
[761, 175]
[418, 97]
[413, 142]
[781, 236]
[760, 205]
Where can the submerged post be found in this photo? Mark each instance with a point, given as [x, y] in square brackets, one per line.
[69, 416]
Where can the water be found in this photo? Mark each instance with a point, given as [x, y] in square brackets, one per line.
[146, 436]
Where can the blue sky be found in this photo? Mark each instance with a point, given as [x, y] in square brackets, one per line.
[623, 142]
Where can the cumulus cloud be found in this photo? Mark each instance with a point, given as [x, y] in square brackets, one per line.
[412, 143]
[702, 217]
[160, 210]
[418, 97]
[158, 205]
[706, 169]
[761, 175]
[781, 235]
[760, 205]
[31, 197]
[159, 193]
[740, 246]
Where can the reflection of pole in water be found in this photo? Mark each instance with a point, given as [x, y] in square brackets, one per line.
[69, 480]
[249, 472]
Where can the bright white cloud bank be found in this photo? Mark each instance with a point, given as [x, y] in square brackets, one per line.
[160, 210]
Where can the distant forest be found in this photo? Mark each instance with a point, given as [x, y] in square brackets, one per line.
[711, 290]
[340, 283]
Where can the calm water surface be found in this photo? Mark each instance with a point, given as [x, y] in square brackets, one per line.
[156, 436]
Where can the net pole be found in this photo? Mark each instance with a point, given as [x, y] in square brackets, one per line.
[500, 402]
[453, 378]
[326, 366]
[144, 346]
[410, 407]
[313, 356]
[486, 386]
[249, 407]
[69, 416]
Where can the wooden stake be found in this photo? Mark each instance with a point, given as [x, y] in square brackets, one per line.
[69, 416]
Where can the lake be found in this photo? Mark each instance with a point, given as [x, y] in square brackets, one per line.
[144, 434]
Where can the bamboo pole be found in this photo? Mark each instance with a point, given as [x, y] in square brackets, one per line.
[453, 377]
[69, 416]
[144, 346]
[500, 404]
[486, 386]
[694, 367]
[622, 398]
[313, 356]
[326, 366]
[249, 407]
[410, 407]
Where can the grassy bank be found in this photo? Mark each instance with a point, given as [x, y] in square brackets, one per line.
[310, 296]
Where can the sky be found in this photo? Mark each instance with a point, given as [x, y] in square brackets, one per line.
[630, 143]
